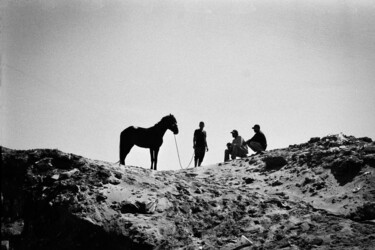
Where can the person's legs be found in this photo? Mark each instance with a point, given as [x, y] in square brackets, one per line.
[236, 152]
[242, 153]
[197, 157]
[228, 151]
[202, 156]
[256, 147]
[199, 154]
[226, 155]
[199, 161]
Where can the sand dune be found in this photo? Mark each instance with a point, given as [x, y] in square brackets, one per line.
[316, 195]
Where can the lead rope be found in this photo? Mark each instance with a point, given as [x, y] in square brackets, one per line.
[178, 154]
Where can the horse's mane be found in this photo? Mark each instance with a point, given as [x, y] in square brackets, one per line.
[167, 119]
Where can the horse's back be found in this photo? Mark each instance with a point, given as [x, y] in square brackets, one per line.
[137, 135]
[128, 129]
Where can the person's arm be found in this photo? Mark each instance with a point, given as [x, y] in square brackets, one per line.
[265, 140]
[243, 143]
[205, 140]
[194, 139]
[250, 140]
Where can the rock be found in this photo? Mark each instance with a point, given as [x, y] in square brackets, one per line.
[283, 243]
[44, 164]
[191, 174]
[330, 138]
[305, 226]
[183, 190]
[129, 207]
[308, 181]
[344, 170]
[314, 139]
[55, 177]
[185, 209]
[365, 139]
[319, 185]
[274, 163]
[248, 180]
[163, 204]
[12, 229]
[113, 181]
[103, 173]
[151, 206]
[364, 213]
[369, 159]
[334, 150]
[198, 191]
[5, 245]
[68, 174]
[118, 175]
[318, 170]
[316, 241]
[369, 149]
[62, 161]
[98, 184]
[276, 183]
[100, 197]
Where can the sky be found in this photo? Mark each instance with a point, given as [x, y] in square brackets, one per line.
[74, 74]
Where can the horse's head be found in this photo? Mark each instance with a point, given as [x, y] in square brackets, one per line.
[171, 123]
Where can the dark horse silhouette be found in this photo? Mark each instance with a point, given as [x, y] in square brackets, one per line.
[151, 138]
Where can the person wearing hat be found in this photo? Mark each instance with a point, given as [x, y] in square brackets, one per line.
[238, 147]
[258, 142]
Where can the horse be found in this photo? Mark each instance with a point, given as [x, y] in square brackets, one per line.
[151, 138]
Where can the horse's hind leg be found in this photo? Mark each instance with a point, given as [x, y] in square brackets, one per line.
[124, 152]
[154, 158]
[125, 147]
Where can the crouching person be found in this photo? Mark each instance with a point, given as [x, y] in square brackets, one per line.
[237, 148]
[258, 142]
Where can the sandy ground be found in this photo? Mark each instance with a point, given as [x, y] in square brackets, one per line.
[316, 195]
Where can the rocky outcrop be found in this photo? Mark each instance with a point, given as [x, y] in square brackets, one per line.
[319, 194]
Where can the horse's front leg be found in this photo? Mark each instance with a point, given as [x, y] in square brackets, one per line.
[152, 157]
[156, 158]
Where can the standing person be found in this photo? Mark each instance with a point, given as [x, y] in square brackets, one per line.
[258, 142]
[238, 147]
[199, 144]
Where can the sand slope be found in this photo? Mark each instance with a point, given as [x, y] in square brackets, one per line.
[316, 195]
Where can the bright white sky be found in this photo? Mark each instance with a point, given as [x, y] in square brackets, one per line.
[74, 74]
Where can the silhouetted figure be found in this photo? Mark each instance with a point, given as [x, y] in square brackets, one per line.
[199, 144]
[258, 142]
[238, 147]
[151, 138]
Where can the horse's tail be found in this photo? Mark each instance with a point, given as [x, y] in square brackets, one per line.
[126, 143]
[122, 149]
